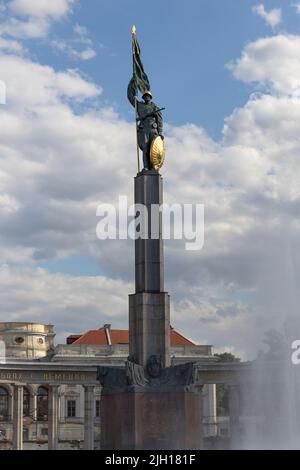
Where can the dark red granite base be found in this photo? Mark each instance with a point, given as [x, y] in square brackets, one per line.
[147, 420]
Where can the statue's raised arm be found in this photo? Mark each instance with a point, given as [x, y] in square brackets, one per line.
[132, 91]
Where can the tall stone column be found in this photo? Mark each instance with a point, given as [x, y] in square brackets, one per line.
[234, 415]
[18, 417]
[33, 413]
[210, 410]
[10, 404]
[89, 417]
[53, 417]
[33, 405]
[149, 307]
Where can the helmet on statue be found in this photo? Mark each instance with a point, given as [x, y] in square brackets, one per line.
[147, 92]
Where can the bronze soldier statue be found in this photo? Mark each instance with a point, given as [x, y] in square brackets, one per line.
[149, 121]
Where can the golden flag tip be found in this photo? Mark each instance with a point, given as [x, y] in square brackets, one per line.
[133, 30]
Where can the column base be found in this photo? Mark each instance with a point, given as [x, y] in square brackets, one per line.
[142, 411]
[143, 420]
[149, 327]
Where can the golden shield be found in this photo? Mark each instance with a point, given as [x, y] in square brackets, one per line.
[157, 152]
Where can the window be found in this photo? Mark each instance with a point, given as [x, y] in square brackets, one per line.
[25, 434]
[3, 404]
[71, 408]
[97, 408]
[19, 340]
[42, 404]
[26, 402]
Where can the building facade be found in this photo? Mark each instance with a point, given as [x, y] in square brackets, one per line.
[49, 393]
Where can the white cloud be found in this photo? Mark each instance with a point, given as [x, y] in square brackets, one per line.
[64, 300]
[31, 29]
[58, 164]
[38, 17]
[297, 6]
[82, 40]
[272, 62]
[272, 17]
[32, 87]
[11, 46]
[42, 8]
[87, 54]
[80, 30]
[64, 46]
[34, 20]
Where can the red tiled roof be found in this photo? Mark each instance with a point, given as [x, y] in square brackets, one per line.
[178, 340]
[119, 336]
[122, 337]
[93, 337]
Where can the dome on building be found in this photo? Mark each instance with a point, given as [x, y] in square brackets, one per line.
[26, 340]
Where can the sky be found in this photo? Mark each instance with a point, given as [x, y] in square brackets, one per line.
[228, 74]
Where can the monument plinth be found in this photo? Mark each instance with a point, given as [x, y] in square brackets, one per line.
[149, 404]
[143, 412]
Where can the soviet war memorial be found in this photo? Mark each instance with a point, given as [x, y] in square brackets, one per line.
[149, 176]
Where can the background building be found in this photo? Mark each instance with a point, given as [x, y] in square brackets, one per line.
[28, 343]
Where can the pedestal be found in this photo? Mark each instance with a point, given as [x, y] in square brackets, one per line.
[145, 420]
[149, 327]
[163, 412]
[148, 404]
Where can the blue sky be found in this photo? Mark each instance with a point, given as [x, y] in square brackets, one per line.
[185, 49]
[68, 143]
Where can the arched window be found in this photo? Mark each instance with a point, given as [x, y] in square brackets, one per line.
[42, 404]
[26, 402]
[3, 404]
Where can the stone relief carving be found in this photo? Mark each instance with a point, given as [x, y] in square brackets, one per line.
[185, 376]
[135, 373]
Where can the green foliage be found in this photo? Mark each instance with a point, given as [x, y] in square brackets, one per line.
[222, 390]
[227, 357]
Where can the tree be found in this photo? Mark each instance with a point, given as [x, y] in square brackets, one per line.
[222, 390]
[227, 357]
